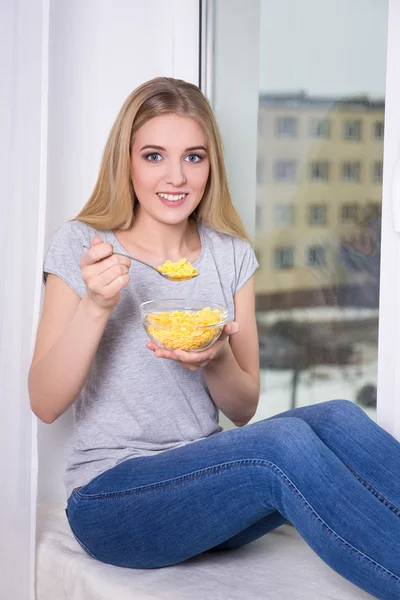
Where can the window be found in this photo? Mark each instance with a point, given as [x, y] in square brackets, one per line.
[316, 256]
[319, 171]
[349, 213]
[351, 171]
[260, 124]
[317, 214]
[377, 171]
[283, 258]
[352, 129]
[260, 171]
[286, 127]
[379, 130]
[284, 214]
[320, 128]
[258, 217]
[285, 170]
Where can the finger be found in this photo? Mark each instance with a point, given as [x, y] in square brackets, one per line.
[106, 263]
[105, 278]
[96, 240]
[96, 253]
[230, 329]
[192, 358]
[164, 354]
[112, 289]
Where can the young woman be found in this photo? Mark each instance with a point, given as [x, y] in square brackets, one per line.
[151, 478]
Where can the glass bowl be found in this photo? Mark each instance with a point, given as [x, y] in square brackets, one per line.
[185, 330]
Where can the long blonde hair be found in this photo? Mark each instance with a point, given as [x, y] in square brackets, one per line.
[111, 205]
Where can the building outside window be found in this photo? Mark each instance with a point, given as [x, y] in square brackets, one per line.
[377, 171]
[379, 130]
[351, 171]
[349, 213]
[317, 214]
[316, 256]
[286, 127]
[285, 170]
[352, 129]
[284, 215]
[284, 258]
[319, 171]
[319, 128]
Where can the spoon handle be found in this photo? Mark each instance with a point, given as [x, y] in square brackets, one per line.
[128, 256]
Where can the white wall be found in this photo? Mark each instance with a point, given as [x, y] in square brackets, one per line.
[99, 52]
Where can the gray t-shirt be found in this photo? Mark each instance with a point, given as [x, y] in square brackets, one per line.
[134, 404]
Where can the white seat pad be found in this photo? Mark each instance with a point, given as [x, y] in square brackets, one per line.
[278, 566]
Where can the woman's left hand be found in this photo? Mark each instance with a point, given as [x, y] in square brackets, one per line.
[197, 360]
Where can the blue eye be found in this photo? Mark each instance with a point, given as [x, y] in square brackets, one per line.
[197, 158]
[154, 157]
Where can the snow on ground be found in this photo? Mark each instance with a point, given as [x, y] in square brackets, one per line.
[315, 385]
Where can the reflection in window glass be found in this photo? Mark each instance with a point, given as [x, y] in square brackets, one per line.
[317, 287]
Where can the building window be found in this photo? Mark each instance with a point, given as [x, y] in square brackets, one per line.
[352, 129]
[377, 175]
[319, 171]
[285, 170]
[351, 171]
[286, 127]
[284, 215]
[349, 213]
[284, 258]
[379, 130]
[316, 256]
[317, 214]
[320, 128]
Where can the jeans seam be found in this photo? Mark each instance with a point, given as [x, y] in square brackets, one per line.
[375, 492]
[256, 462]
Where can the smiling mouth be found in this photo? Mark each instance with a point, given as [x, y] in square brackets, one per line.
[172, 197]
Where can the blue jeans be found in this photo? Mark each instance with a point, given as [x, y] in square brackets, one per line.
[327, 468]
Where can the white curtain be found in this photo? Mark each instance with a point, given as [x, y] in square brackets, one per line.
[66, 68]
[23, 56]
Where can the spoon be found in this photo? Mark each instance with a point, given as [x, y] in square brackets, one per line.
[183, 278]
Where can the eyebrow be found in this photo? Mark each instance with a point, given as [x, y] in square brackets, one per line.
[191, 149]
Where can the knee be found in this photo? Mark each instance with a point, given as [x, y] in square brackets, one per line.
[291, 436]
[342, 412]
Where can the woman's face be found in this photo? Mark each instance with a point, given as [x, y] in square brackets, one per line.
[170, 167]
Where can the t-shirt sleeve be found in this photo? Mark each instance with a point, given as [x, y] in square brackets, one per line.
[245, 263]
[63, 256]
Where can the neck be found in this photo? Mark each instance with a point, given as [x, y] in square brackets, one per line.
[161, 238]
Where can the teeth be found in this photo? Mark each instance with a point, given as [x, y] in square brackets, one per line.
[172, 197]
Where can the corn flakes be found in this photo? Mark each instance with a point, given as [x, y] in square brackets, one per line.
[180, 270]
[185, 330]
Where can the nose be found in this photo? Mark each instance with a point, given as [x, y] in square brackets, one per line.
[176, 174]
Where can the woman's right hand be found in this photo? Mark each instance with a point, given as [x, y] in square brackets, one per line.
[104, 274]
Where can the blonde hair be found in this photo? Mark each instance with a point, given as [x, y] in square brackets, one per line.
[111, 204]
